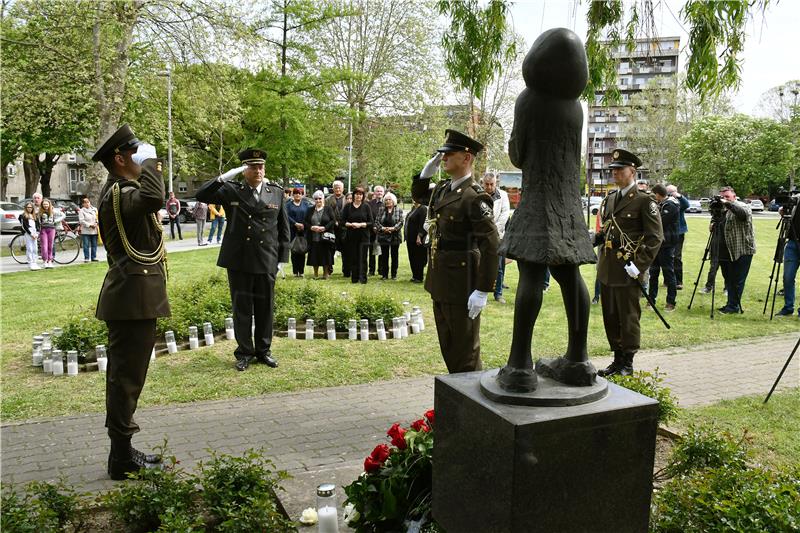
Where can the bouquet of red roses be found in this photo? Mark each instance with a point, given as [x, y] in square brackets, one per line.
[395, 487]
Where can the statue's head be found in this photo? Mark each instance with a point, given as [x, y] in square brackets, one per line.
[556, 64]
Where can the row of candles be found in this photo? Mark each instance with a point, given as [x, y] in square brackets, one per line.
[51, 359]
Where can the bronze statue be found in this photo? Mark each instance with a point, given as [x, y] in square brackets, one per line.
[547, 228]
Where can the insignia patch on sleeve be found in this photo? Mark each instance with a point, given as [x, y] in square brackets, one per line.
[653, 208]
[486, 210]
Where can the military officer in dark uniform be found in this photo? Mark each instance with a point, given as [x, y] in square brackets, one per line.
[630, 237]
[256, 242]
[463, 260]
[134, 292]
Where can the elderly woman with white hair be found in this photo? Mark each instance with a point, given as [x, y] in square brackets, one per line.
[389, 227]
[319, 226]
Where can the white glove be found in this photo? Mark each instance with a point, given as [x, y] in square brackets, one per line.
[631, 269]
[231, 173]
[476, 303]
[143, 153]
[280, 270]
[431, 166]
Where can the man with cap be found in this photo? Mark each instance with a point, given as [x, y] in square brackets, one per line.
[134, 292]
[463, 254]
[256, 244]
[631, 236]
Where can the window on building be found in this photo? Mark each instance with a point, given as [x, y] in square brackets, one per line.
[11, 170]
[598, 145]
[77, 177]
[597, 162]
[182, 187]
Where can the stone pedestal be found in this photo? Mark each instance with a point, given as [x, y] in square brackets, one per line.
[509, 468]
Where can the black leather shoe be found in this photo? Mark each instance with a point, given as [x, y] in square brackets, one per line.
[268, 360]
[151, 458]
[124, 459]
[611, 370]
[242, 364]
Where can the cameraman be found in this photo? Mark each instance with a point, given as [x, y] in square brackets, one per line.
[736, 247]
[791, 256]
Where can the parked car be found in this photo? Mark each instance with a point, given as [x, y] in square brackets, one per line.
[694, 207]
[773, 206]
[9, 217]
[594, 204]
[756, 205]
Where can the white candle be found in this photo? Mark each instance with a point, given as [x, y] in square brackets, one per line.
[209, 337]
[421, 322]
[403, 331]
[292, 334]
[47, 365]
[395, 333]
[37, 355]
[309, 334]
[193, 343]
[331, 334]
[172, 347]
[364, 334]
[102, 363]
[58, 368]
[229, 334]
[381, 334]
[352, 334]
[72, 369]
[328, 520]
[415, 328]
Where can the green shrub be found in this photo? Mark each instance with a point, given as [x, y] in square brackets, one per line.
[154, 496]
[44, 507]
[82, 333]
[727, 499]
[339, 309]
[381, 305]
[239, 492]
[650, 385]
[196, 302]
[706, 447]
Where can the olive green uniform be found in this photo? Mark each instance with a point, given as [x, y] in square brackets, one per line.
[134, 292]
[631, 231]
[462, 258]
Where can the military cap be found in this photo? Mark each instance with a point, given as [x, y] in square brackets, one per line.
[122, 140]
[456, 141]
[623, 158]
[252, 156]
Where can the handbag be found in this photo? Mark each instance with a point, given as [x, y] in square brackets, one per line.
[376, 248]
[299, 245]
[329, 237]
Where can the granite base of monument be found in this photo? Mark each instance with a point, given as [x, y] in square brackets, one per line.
[511, 468]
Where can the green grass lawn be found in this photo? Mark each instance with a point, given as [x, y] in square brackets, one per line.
[33, 302]
[772, 430]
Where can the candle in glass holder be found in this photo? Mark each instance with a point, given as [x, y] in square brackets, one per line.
[208, 333]
[193, 341]
[352, 331]
[102, 360]
[291, 329]
[37, 353]
[47, 343]
[47, 360]
[57, 332]
[172, 346]
[395, 328]
[403, 327]
[380, 329]
[415, 327]
[326, 509]
[309, 329]
[364, 329]
[57, 363]
[72, 363]
[330, 327]
[229, 334]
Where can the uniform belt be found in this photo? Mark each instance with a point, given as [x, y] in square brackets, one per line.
[454, 246]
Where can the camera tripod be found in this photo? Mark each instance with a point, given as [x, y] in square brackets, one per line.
[777, 261]
[711, 253]
[785, 366]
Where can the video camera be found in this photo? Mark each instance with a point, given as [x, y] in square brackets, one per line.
[716, 206]
[787, 199]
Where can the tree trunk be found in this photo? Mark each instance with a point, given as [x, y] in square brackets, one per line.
[46, 172]
[31, 169]
[3, 182]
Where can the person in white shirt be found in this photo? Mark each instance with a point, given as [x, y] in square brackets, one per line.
[30, 228]
[502, 210]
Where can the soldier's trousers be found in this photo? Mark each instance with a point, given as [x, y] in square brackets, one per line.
[621, 315]
[252, 298]
[130, 343]
[459, 337]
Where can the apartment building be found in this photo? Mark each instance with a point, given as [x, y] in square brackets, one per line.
[650, 59]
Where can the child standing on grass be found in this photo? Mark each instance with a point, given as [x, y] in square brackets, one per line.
[48, 220]
[30, 226]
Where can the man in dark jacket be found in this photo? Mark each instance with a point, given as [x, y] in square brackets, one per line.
[336, 202]
[415, 235]
[256, 242]
[375, 205]
[665, 260]
[134, 292]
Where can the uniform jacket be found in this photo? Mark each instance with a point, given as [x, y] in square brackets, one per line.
[466, 237]
[257, 232]
[131, 290]
[415, 224]
[395, 220]
[637, 216]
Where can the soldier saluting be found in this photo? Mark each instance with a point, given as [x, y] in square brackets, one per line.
[630, 239]
[134, 292]
[463, 249]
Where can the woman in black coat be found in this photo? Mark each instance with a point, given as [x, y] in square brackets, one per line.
[389, 226]
[357, 219]
[318, 221]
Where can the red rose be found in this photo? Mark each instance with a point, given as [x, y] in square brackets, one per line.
[376, 458]
[429, 416]
[420, 425]
[398, 436]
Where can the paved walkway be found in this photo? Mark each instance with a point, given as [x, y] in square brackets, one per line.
[324, 434]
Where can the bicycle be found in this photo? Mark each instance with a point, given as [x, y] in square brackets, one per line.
[66, 246]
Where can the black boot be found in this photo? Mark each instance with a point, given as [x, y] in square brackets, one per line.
[614, 368]
[627, 364]
[125, 459]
